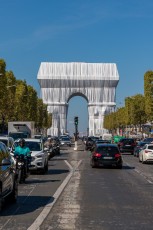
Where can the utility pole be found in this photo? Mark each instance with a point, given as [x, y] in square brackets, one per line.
[76, 132]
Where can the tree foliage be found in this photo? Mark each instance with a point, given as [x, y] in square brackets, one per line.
[19, 101]
[148, 93]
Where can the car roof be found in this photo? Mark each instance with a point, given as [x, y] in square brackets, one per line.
[5, 138]
[30, 139]
[106, 144]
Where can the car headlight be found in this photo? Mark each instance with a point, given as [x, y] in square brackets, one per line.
[39, 156]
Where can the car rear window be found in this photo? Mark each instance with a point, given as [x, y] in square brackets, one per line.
[107, 149]
[150, 147]
[128, 141]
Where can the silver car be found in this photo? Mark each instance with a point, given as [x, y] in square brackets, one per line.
[65, 141]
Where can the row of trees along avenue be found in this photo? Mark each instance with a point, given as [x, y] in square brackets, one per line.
[137, 111]
[19, 102]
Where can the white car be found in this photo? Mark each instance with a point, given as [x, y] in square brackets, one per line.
[39, 156]
[146, 153]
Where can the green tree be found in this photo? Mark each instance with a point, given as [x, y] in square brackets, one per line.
[31, 104]
[148, 93]
[21, 101]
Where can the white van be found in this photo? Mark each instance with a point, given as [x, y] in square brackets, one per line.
[107, 136]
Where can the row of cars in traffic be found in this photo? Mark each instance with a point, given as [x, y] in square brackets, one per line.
[105, 152]
[143, 149]
[40, 155]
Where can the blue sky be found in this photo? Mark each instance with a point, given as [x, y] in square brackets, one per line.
[106, 31]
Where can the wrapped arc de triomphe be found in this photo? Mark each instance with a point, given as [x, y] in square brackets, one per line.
[96, 82]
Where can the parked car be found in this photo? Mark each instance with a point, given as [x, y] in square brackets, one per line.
[138, 148]
[65, 141]
[52, 146]
[8, 141]
[106, 155]
[127, 145]
[146, 154]
[8, 176]
[39, 155]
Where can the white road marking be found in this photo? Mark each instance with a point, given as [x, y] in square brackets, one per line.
[140, 173]
[39, 220]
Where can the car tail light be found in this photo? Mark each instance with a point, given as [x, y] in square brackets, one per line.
[97, 155]
[148, 151]
[117, 155]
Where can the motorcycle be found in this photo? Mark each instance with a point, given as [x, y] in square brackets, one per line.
[22, 166]
[53, 151]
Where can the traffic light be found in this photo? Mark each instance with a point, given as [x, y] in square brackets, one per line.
[76, 120]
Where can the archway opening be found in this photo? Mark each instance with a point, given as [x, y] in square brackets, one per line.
[77, 107]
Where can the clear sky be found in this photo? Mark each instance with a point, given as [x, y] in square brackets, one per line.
[105, 31]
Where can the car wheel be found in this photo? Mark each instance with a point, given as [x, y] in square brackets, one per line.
[119, 166]
[46, 167]
[143, 162]
[1, 204]
[93, 165]
[139, 159]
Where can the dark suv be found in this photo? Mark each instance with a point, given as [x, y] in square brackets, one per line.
[106, 155]
[127, 145]
[8, 176]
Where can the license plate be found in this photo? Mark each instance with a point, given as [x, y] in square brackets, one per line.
[107, 157]
[127, 145]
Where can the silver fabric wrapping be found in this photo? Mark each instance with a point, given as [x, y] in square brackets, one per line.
[96, 82]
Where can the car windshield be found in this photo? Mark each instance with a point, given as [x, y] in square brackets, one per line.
[142, 144]
[65, 139]
[128, 141]
[107, 149]
[33, 146]
[4, 141]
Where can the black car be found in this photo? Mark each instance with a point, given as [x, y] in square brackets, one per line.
[106, 155]
[8, 176]
[127, 145]
[138, 148]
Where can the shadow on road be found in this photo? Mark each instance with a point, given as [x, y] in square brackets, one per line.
[37, 181]
[57, 171]
[25, 205]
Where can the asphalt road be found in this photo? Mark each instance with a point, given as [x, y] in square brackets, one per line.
[75, 196]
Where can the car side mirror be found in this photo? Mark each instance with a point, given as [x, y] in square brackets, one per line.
[6, 162]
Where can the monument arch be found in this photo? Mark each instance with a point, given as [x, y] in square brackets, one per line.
[96, 82]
